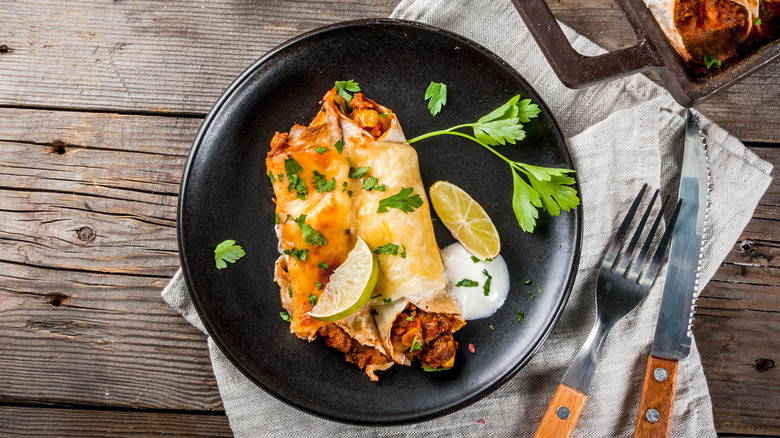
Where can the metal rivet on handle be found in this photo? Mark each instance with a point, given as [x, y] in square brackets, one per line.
[563, 412]
[652, 415]
[660, 374]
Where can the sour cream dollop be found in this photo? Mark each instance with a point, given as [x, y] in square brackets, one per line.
[459, 266]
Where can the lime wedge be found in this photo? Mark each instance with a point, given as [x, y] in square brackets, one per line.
[350, 285]
[468, 222]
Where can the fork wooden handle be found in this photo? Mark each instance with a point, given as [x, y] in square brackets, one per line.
[562, 413]
[657, 404]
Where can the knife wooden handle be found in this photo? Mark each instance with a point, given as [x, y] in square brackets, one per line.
[657, 404]
[562, 413]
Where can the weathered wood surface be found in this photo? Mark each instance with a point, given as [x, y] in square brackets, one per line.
[176, 57]
[88, 207]
[17, 421]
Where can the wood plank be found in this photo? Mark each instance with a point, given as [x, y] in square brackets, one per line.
[736, 322]
[177, 57]
[16, 421]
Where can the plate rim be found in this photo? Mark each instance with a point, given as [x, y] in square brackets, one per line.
[199, 306]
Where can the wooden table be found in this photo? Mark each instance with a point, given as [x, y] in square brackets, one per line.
[99, 103]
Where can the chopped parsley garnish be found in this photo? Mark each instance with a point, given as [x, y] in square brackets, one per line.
[281, 177]
[277, 219]
[344, 186]
[403, 200]
[342, 88]
[286, 219]
[486, 286]
[540, 290]
[321, 150]
[312, 299]
[384, 115]
[360, 172]
[310, 235]
[346, 232]
[319, 287]
[431, 369]
[520, 315]
[324, 266]
[437, 93]
[531, 294]
[390, 249]
[467, 283]
[548, 189]
[297, 254]
[321, 184]
[403, 251]
[434, 220]
[339, 145]
[372, 183]
[475, 260]
[410, 318]
[488, 260]
[415, 345]
[491, 328]
[294, 182]
[527, 282]
[710, 60]
[757, 22]
[289, 291]
[271, 175]
[229, 252]
[285, 316]
[349, 193]
[387, 300]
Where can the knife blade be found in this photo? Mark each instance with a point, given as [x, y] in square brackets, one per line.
[672, 341]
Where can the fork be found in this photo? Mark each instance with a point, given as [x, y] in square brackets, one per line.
[617, 293]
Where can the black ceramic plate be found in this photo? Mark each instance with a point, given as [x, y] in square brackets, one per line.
[226, 194]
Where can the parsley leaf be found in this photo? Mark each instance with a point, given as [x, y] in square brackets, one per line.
[360, 172]
[540, 290]
[520, 315]
[339, 145]
[277, 220]
[757, 22]
[319, 287]
[321, 150]
[415, 345]
[710, 60]
[387, 300]
[285, 316]
[491, 328]
[527, 282]
[403, 252]
[297, 254]
[372, 183]
[437, 93]
[321, 184]
[294, 182]
[431, 369]
[289, 291]
[312, 299]
[390, 248]
[486, 286]
[474, 259]
[310, 235]
[227, 251]
[548, 189]
[343, 86]
[410, 318]
[467, 283]
[271, 176]
[324, 266]
[403, 200]
[531, 294]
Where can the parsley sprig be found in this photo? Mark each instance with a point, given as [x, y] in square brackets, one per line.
[310, 235]
[535, 187]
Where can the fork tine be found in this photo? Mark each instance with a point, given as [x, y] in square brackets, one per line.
[637, 234]
[640, 260]
[617, 241]
[659, 253]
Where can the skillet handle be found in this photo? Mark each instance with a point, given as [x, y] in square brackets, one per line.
[576, 70]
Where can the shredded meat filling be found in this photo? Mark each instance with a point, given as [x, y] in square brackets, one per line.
[425, 336]
[360, 355]
[366, 113]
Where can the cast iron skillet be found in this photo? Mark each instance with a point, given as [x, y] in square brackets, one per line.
[652, 51]
[226, 194]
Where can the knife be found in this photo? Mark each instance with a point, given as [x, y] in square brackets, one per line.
[672, 342]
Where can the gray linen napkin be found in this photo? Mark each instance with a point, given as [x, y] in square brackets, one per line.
[621, 134]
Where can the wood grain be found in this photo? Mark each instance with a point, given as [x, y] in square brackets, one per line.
[16, 421]
[555, 425]
[657, 394]
[176, 57]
